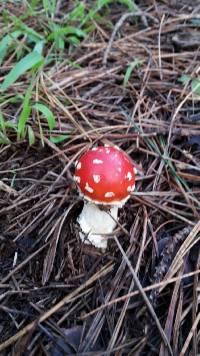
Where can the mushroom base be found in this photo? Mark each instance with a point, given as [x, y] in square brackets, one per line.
[95, 223]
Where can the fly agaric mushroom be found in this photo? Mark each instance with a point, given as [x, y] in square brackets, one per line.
[106, 178]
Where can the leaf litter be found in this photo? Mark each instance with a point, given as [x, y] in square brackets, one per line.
[141, 296]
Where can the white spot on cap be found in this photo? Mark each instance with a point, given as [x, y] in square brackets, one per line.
[97, 161]
[78, 166]
[109, 195]
[77, 179]
[88, 188]
[119, 169]
[94, 149]
[96, 178]
[107, 151]
[129, 176]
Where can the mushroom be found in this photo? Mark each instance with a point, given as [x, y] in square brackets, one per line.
[105, 177]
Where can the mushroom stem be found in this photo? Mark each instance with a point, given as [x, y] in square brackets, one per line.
[96, 223]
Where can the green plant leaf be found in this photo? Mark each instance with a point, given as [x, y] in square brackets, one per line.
[60, 43]
[11, 125]
[6, 124]
[4, 139]
[6, 42]
[101, 3]
[31, 60]
[32, 35]
[31, 136]
[68, 30]
[135, 64]
[47, 114]
[93, 12]
[2, 123]
[130, 4]
[58, 139]
[184, 79]
[26, 109]
[34, 3]
[195, 85]
[49, 6]
[39, 47]
[73, 40]
[77, 13]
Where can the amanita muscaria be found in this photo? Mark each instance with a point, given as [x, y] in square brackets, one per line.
[105, 177]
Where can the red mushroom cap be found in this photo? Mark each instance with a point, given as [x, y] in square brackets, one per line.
[105, 175]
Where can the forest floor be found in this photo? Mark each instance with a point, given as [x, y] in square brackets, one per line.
[74, 75]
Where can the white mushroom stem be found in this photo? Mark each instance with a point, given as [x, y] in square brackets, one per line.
[96, 223]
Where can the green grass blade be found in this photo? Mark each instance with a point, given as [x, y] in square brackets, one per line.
[101, 3]
[68, 30]
[77, 13]
[25, 113]
[31, 136]
[4, 139]
[39, 47]
[130, 4]
[47, 114]
[3, 135]
[32, 35]
[58, 139]
[195, 83]
[2, 123]
[93, 11]
[49, 6]
[135, 64]
[196, 86]
[6, 42]
[28, 62]
[184, 79]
